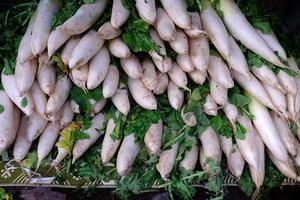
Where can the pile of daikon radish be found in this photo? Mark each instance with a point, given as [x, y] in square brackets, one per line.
[36, 102]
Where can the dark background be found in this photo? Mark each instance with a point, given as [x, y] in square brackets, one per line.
[289, 12]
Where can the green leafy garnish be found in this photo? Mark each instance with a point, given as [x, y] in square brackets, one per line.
[246, 184]
[241, 101]
[1, 108]
[240, 131]
[31, 160]
[222, 125]
[24, 102]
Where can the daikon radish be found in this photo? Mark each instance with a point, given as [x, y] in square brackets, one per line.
[254, 88]
[132, 67]
[67, 115]
[153, 138]
[99, 66]
[236, 162]
[68, 49]
[109, 146]
[210, 106]
[53, 117]
[203, 159]
[39, 98]
[178, 76]
[146, 10]
[59, 96]
[86, 48]
[111, 81]
[297, 98]
[288, 82]
[47, 141]
[189, 118]
[149, 77]
[46, 75]
[118, 48]
[297, 157]
[199, 51]
[108, 32]
[166, 161]
[121, 101]
[25, 75]
[285, 133]
[180, 44]
[164, 25]
[265, 74]
[197, 76]
[261, 164]
[46, 10]
[175, 95]
[162, 83]
[119, 14]
[141, 94]
[75, 106]
[226, 145]
[215, 29]
[291, 107]
[81, 146]
[24, 52]
[163, 65]
[218, 92]
[81, 21]
[98, 106]
[21, 144]
[236, 59]
[36, 125]
[24, 102]
[219, 71]
[231, 113]
[159, 42]
[196, 28]
[267, 130]
[185, 63]
[292, 63]
[79, 76]
[190, 157]
[8, 128]
[241, 29]
[127, 154]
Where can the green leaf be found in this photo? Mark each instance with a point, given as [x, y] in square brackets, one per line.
[24, 102]
[9, 67]
[246, 184]
[239, 100]
[262, 25]
[1, 108]
[240, 131]
[31, 160]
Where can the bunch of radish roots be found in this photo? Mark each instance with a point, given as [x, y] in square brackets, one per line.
[36, 101]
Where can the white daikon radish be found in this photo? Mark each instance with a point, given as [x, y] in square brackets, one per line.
[46, 10]
[121, 101]
[236, 59]
[146, 10]
[108, 32]
[46, 75]
[175, 95]
[25, 75]
[218, 92]
[67, 115]
[203, 159]
[226, 145]
[185, 63]
[231, 113]
[265, 74]
[127, 154]
[81, 21]
[236, 162]
[196, 28]
[254, 88]
[119, 14]
[98, 106]
[60, 95]
[197, 76]
[210, 106]
[132, 66]
[118, 48]
[285, 133]
[94, 132]
[8, 128]
[190, 157]
[21, 144]
[163, 65]
[180, 44]
[199, 51]
[75, 106]
[68, 49]
[111, 81]
[166, 161]
[162, 83]
[39, 98]
[178, 76]
[293, 64]
[153, 138]
[99, 66]
[86, 48]
[24, 102]
[164, 25]
[36, 125]
[79, 76]
[109, 145]
[267, 130]
[189, 118]
[47, 141]
[261, 164]
[219, 71]
[149, 77]
[288, 82]
[141, 94]
[241, 29]
[291, 107]
[159, 42]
